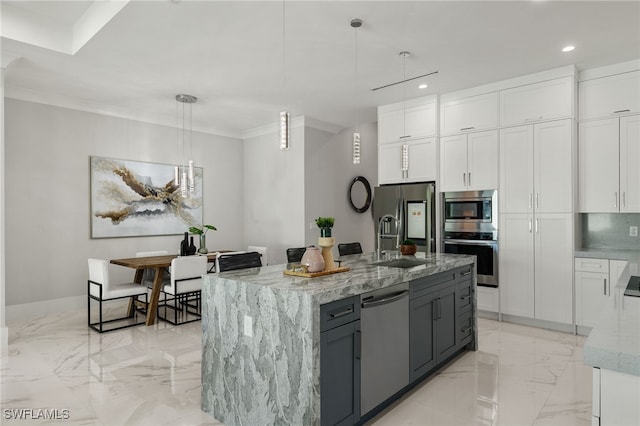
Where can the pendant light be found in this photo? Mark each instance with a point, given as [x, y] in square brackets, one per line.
[355, 139]
[184, 175]
[285, 118]
[405, 147]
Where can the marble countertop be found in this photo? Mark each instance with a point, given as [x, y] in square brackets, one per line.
[614, 343]
[603, 253]
[364, 275]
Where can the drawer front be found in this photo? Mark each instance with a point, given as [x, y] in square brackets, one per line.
[427, 284]
[340, 312]
[465, 327]
[585, 264]
[464, 297]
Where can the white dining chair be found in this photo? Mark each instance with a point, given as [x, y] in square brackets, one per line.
[185, 289]
[263, 253]
[100, 289]
[149, 273]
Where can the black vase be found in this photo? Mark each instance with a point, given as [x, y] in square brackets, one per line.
[184, 245]
[192, 248]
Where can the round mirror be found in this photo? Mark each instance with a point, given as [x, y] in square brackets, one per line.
[360, 194]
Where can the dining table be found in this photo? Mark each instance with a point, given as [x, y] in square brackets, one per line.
[159, 264]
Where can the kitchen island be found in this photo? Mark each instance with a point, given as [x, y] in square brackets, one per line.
[261, 339]
[613, 349]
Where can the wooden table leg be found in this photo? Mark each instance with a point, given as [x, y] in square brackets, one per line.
[155, 295]
[132, 302]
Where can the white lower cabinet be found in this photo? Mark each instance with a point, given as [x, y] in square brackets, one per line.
[536, 266]
[419, 164]
[594, 280]
[488, 299]
[615, 398]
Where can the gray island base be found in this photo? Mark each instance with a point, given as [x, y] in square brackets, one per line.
[262, 333]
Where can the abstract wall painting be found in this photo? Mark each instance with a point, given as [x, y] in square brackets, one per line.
[134, 198]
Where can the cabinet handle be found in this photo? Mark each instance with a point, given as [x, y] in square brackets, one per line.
[464, 179]
[467, 128]
[605, 286]
[615, 202]
[434, 308]
[537, 230]
[347, 311]
[464, 274]
[530, 226]
[528, 120]
[464, 330]
[439, 308]
[465, 297]
[624, 199]
[358, 345]
[404, 137]
[537, 200]
[469, 178]
[621, 110]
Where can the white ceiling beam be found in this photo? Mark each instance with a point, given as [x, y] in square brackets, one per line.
[94, 19]
[20, 25]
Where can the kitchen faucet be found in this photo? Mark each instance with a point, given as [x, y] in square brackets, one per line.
[387, 218]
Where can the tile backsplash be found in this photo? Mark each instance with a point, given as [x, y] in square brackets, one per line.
[609, 231]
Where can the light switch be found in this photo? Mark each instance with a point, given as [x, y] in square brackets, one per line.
[633, 231]
[248, 326]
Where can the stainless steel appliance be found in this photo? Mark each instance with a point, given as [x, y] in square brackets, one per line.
[405, 211]
[471, 227]
[384, 363]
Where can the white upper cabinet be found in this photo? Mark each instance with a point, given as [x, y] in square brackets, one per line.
[418, 165]
[609, 96]
[469, 114]
[608, 156]
[469, 162]
[546, 100]
[401, 122]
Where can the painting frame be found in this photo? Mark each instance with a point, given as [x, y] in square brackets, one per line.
[130, 198]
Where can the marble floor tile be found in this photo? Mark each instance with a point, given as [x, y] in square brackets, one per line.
[151, 376]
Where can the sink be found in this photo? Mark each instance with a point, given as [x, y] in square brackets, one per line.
[401, 263]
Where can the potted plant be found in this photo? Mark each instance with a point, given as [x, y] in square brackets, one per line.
[408, 247]
[325, 224]
[202, 232]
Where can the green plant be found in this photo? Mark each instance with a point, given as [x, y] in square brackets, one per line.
[325, 222]
[408, 242]
[203, 230]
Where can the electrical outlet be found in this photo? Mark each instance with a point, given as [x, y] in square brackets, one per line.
[633, 231]
[248, 326]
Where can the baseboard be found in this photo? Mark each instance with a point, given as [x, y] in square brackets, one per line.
[531, 322]
[583, 330]
[30, 310]
[488, 315]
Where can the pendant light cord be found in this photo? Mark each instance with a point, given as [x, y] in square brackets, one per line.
[355, 89]
[404, 95]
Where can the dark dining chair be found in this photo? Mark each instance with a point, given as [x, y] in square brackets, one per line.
[233, 261]
[345, 249]
[294, 254]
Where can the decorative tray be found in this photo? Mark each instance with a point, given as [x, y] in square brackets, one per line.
[299, 273]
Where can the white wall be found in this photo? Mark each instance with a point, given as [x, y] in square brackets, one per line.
[4, 334]
[274, 192]
[47, 194]
[329, 170]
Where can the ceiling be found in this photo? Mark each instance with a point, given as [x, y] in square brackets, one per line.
[132, 59]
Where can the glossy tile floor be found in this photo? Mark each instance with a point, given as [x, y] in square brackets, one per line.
[151, 376]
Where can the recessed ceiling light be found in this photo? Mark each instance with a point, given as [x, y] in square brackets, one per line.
[568, 48]
[422, 86]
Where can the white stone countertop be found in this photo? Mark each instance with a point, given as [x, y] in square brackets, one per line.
[614, 343]
[604, 253]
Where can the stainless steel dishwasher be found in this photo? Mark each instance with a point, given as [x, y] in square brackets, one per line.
[384, 322]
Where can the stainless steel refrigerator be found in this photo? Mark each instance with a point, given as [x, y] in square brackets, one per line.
[405, 211]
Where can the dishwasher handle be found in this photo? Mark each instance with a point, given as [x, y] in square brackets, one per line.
[370, 302]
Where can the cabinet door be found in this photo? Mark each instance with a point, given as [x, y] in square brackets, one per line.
[554, 267]
[396, 122]
[390, 163]
[598, 166]
[516, 170]
[340, 375]
[616, 267]
[546, 100]
[516, 265]
[446, 331]
[591, 295]
[453, 163]
[422, 160]
[482, 169]
[422, 354]
[630, 164]
[606, 96]
[553, 186]
[390, 126]
[420, 121]
[469, 114]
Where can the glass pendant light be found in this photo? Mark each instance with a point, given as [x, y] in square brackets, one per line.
[184, 175]
[355, 139]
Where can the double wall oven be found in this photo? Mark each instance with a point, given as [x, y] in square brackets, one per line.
[471, 227]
